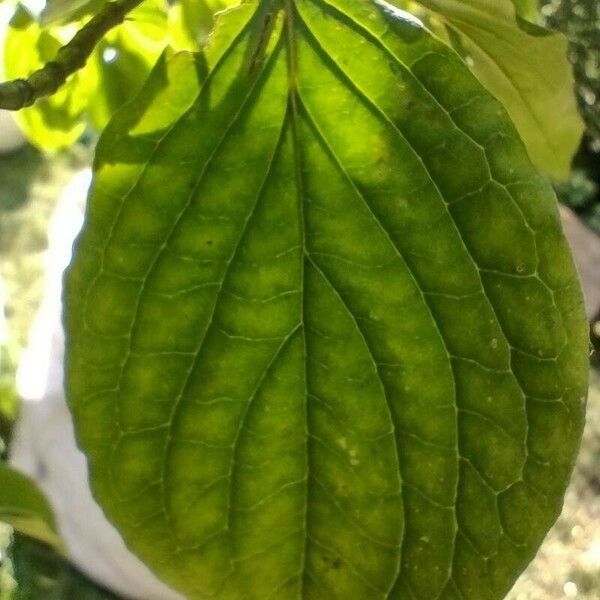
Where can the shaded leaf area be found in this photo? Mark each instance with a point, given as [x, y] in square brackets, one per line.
[41, 574]
[528, 73]
[527, 10]
[342, 353]
[18, 169]
[65, 11]
[23, 506]
[124, 58]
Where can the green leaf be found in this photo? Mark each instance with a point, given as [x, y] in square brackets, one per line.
[41, 574]
[192, 21]
[66, 11]
[324, 336]
[55, 122]
[528, 10]
[530, 75]
[124, 58]
[24, 507]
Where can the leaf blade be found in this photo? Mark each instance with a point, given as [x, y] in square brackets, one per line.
[274, 316]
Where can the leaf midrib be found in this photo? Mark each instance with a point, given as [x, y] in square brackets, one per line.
[289, 12]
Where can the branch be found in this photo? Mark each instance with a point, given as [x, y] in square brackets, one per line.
[46, 81]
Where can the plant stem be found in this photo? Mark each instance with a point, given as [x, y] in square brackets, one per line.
[19, 93]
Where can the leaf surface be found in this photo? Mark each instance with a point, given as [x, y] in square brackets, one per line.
[325, 338]
[57, 121]
[528, 14]
[67, 11]
[529, 74]
[24, 507]
[124, 58]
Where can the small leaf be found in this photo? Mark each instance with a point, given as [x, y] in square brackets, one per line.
[529, 74]
[57, 121]
[528, 11]
[24, 507]
[191, 22]
[324, 336]
[124, 58]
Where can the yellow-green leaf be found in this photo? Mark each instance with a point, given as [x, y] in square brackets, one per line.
[529, 74]
[325, 339]
[58, 121]
[124, 58]
[24, 507]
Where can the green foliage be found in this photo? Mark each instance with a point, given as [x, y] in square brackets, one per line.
[325, 339]
[66, 11]
[24, 507]
[528, 10]
[114, 73]
[8, 403]
[54, 122]
[42, 574]
[124, 59]
[581, 194]
[528, 74]
[579, 20]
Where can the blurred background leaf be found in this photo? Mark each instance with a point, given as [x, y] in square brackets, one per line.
[528, 73]
[55, 122]
[65, 11]
[125, 57]
[42, 574]
[24, 507]
[579, 20]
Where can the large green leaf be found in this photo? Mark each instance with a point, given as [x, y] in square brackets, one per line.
[325, 339]
[24, 507]
[529, 74]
